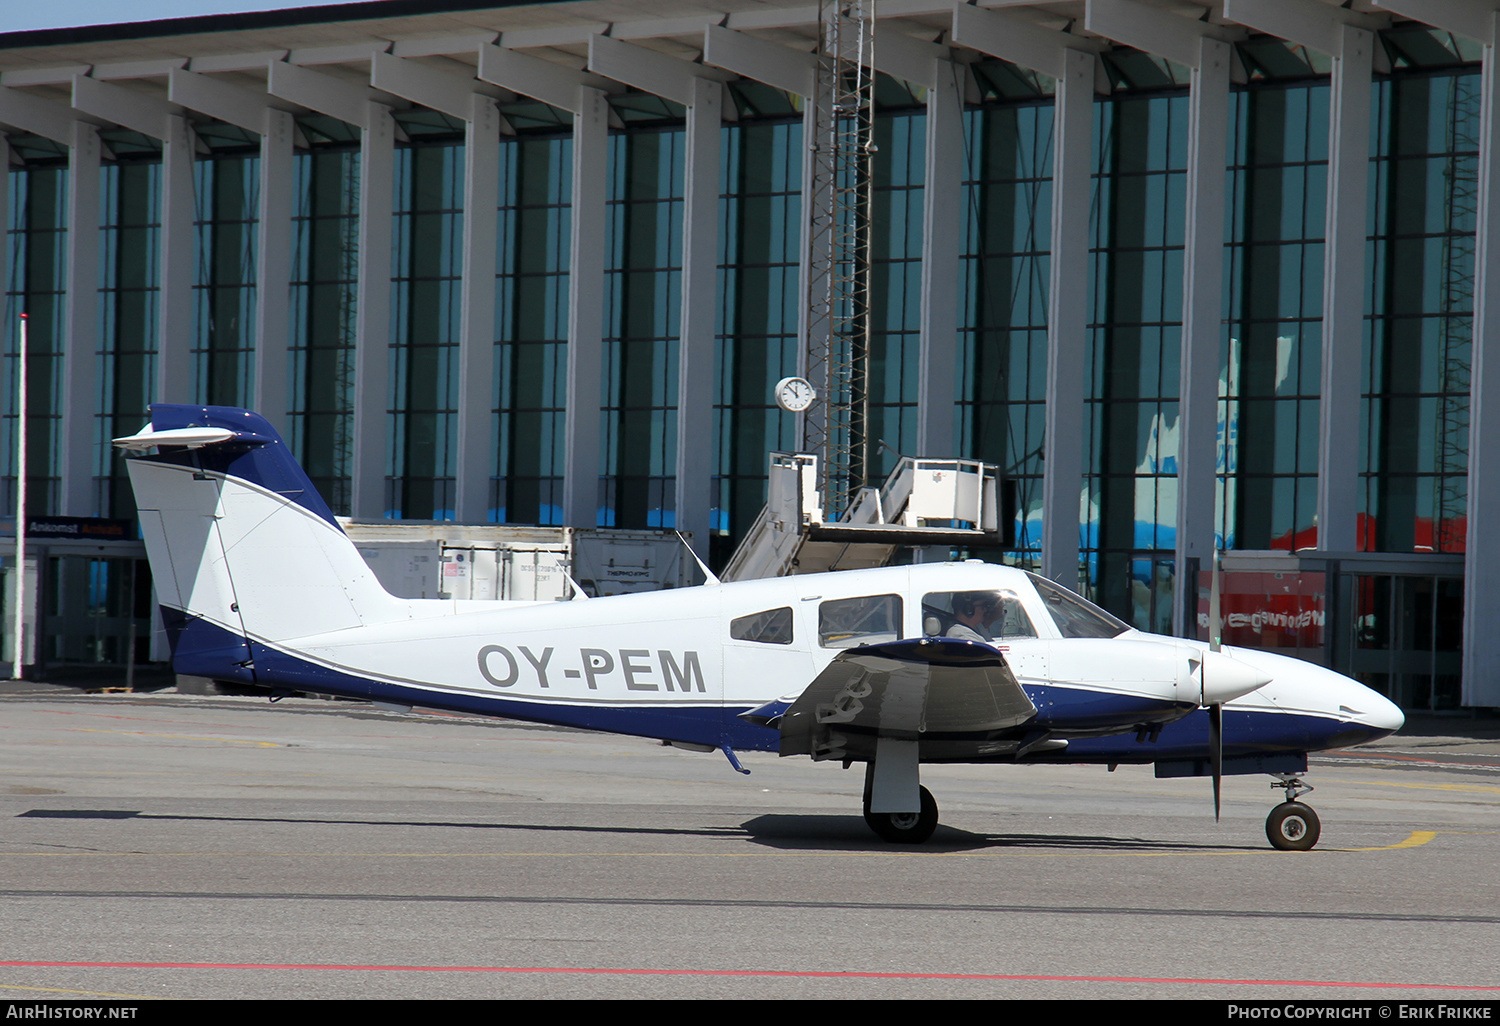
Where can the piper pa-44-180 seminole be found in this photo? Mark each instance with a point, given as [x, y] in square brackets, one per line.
[890, 667]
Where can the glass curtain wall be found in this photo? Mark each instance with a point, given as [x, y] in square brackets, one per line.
[325, 269]
[130, 248]
[1421, 302]
[1135, 322]
[1269, 378]
[36, 240]
[759, 305]
[223, 354]
[643, 290]
[1007, 239]
[895, 277]
[425, 322]
[532, 328]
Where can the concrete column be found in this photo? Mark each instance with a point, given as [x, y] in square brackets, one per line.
[179, 265]
[273, 270]
[698, 344]
[1344, 292]
[1202, 321]
[79, 453]
[1067, 318]
[377, 172]
[811, 328]
[942, 203]
[5, 212]
[476, 356]
[586, 310]
[1481, 642]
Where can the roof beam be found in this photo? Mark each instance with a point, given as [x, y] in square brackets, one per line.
[657, 28]
[55, 76]
[644, 69]
[540, 79]
[236, 61]
[576, 34]
[792, 71]
[219, 100]
[127, 108]
[1310, 24]
[318, 92]
[1014, 39]
[433, 89]
[436, 47]
[137, 69]
[345, 54]
[1154, 30]
[46, 118]
[1463, 18]
[912, 60]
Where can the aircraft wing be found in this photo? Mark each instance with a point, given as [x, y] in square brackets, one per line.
[932, 689]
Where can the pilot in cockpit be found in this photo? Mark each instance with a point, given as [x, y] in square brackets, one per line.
[975, 616]
[973, 612]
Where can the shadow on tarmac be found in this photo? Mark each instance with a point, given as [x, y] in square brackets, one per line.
[789, 832]
[811, 833]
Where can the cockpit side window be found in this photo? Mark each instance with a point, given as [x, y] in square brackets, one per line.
[975, 615]
[1074, 617]
[772, 627]
[867, 620]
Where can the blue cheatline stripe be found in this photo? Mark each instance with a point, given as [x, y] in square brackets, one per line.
[1254, 742]
[208, 650]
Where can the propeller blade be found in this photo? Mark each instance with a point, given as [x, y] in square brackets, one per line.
[1216, 750]
[1215, 620]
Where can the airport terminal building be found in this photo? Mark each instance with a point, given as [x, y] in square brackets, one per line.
[1195, 275]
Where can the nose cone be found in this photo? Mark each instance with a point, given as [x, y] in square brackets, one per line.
[1223, 678]
[1376, 711]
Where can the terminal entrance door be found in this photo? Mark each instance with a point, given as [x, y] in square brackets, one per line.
[94, 609]
[1392, 621]
[1401, 635]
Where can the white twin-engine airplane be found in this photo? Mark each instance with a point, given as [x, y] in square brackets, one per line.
[892, 667]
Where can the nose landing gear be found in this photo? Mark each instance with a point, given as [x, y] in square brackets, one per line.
[1292, 826]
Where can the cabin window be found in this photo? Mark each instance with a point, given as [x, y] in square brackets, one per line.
[868, 620]
[772, 627]
[984, 615]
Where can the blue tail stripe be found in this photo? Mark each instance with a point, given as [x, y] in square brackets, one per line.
[258, 454]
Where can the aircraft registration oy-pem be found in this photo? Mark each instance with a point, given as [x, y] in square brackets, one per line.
[890, 667]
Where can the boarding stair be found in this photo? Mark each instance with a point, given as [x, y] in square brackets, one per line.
[924, 502]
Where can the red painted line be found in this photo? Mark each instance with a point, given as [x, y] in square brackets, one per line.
[783, 973]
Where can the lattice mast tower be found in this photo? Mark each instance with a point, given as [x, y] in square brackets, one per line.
[838, 285]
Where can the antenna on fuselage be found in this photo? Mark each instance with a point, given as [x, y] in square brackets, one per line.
[709, 577]
[1216, 710]
[579, 595]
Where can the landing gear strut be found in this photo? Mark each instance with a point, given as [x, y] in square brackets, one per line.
[902, 827]
[1292, 826]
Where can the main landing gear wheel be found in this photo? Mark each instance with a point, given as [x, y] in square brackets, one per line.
[1292, 826]
[904, 827]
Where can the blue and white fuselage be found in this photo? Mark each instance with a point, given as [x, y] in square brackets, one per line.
[259, 584]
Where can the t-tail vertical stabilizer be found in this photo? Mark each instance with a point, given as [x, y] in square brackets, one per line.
[242, 547]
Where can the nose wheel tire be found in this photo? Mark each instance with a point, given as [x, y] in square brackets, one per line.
[904, 827]
[1292, 826]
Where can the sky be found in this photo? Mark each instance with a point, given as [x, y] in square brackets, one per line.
[19, 16]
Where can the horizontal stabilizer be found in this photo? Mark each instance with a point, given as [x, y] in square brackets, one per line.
[933, 688]
[188, 437]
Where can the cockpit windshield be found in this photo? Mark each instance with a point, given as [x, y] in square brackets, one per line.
[1074, 617]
